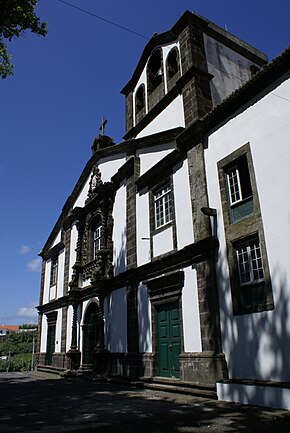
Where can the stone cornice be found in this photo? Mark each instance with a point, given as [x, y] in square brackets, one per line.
[172, 262]
[47, 254]
[124, 172]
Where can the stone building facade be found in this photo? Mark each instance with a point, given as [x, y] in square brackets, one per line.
[159, 232]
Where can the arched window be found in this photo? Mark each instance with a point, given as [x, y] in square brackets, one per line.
[172, 68]
[140, 98]
[154, 70]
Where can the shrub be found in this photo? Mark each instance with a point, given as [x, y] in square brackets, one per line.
[21, 362]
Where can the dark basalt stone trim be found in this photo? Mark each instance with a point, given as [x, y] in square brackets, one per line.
[53, 305]
[167, 99]
[52, 251]
[253, 382]
[208, 27]
[194, 253]
[167, 285]
[52, 317]
[159, 171]
[124, 172]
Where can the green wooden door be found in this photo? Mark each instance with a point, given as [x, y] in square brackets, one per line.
[50, 345]
[168, 333]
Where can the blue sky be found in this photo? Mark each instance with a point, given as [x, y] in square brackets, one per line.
[51, 110]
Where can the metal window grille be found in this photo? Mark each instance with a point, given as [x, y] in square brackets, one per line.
[163, 206]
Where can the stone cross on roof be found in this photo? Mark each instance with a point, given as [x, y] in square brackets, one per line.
[102, 127]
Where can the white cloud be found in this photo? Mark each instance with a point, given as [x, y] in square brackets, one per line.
[34, 265]
[28, 313]
[24, 249]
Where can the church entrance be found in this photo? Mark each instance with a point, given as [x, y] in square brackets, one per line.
[50, 344]
[169, 340]
[90, 334]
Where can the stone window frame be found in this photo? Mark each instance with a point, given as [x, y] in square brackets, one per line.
[243, 229]
[172, 223]
[163, 201]
[51, 323]
[255, 305]
[53, 271]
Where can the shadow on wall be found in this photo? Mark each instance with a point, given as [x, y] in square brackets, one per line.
[120, 256]
[144, 319]
[257, 345]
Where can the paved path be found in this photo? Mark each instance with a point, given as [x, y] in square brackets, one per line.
[33, 402]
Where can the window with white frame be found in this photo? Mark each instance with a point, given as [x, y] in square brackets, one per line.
[250, 263]
[238, 181]
[162, 205]
[53, 271]
[97, 239]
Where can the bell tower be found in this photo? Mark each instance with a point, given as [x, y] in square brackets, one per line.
[184, 73]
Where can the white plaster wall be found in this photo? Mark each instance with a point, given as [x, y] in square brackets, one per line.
[257, 345]
[119, 230]
[171, 117]
[57, 332]
[182, 205]
[57, 239]
[60, 274]
[265, 396]
[110, 165]
[80, 201]
[46, 290]
[69, 327]
[163, 242]
[142, 80]
[144, 319]
[229, 68]
[149, 156]
[117, 321]
[43, 338]
[143, 228]
[190, 312]
[73, 254]
[52, 292]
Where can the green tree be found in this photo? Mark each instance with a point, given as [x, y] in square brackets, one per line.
[18, 343]
[16, 16]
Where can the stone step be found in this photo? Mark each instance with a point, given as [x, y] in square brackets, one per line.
[170, 385]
